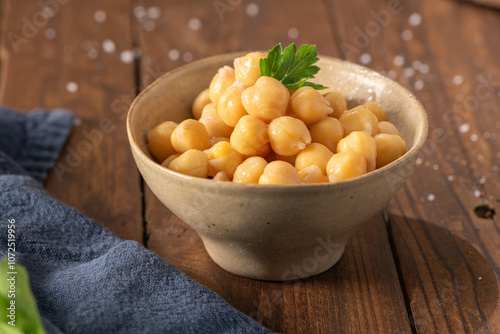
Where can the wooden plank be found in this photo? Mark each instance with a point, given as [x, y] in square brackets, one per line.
[449, 256]
[362, 292]
[68, 55]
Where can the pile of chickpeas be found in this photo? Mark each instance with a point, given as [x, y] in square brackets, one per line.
[248, 128]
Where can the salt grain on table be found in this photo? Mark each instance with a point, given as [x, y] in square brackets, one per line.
[252, 9]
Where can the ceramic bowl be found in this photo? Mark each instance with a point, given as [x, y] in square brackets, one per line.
[274, 232]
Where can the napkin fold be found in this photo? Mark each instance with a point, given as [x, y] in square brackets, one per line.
[85, 279]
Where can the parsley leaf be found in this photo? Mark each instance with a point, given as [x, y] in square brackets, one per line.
[291, 67]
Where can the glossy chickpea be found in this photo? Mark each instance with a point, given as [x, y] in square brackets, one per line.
[388, 127]
[220, 82]
[267, 99]
[213, 123]
[389, 148]
[168, 160]
[376, 110]
[189, 134]
[250, 170]
[250, 137]
[192, 162]
[314, 154]
[199, 103]
[279, 172]
[221, 176]
[288, 135]
[337, 102]
[222, 157]
[345, 166]
[328, 131]
[247, 67]
[229, 106]
[359, 119]
[361, 142]
[312, 174]
[159, 142]
[309, 105]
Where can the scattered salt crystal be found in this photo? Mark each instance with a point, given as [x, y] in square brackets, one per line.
[50, 33]
[431, 197]
[187, 56]
[174, 54]
[424, 69]
[77, 121]
[464, 128]
[149, 25]
[406, 35]
[194, 23]
[127, 56]
[415, 19]
[418, 161]
[486, 135]
[139, 12]
[458, 80]
[93, 53]
[418, 85]
[252, 9]
[100, 16]
[416, 64]
[477, 193]
[153, 12]
[409, 72]
[293, 33]
[474, 137]
[365, 58]
[391, 74]
[108, 46]
[71, 86]
[451, 177]
[435, 167]
[399, 60]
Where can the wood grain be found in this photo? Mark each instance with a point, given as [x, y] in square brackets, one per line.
[362, 292]
[41, 56]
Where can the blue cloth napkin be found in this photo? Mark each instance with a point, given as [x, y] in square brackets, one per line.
[84, 278]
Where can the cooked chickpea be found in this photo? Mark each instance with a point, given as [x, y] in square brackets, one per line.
[189, 134]
[250, 137]
[250, 170]
[168, 160]
[221, 176]
[376, 110]
[314, 154]
[388, 127]
[220, 82]
[279, 172]
[230, 107]
[337, 102]
[346, 165]
[200, 102]
[213, 123]
[309, 105]
[267, 99]
[389, 148]
[159, 142]
[359, 119]
[328, 132]
[222, 157]
[312, 174]
[288, 135]
[192, 162]
[247, 67]
[363, 143]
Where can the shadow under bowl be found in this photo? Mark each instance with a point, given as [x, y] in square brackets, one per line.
[278, 232]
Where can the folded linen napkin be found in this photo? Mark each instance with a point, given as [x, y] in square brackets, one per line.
[85, 279]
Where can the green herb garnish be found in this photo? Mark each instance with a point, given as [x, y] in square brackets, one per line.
[291, 67]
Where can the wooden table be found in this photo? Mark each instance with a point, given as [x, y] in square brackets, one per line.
[430, 263]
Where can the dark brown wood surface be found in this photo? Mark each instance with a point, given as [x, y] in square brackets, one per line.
[430, 263]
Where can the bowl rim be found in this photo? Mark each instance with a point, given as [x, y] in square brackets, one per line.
[419, 142]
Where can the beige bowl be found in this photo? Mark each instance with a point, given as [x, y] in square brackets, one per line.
[273, 232]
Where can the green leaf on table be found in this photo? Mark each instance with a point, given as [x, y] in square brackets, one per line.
[19, 313]
[291, 67]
